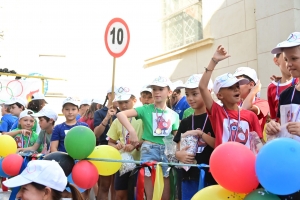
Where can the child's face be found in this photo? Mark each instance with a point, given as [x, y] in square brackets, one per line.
[146, 98]
[126, 105]
[292, 59]
[83, 108]
[26, 122]
[44, 124]
[160, 94]
[70, 111]
[282, 65]
[194, 98]
[230, 94]
[245, 88]
[15, 110]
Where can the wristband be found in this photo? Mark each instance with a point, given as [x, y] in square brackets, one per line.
[103, 124]
[215, 61]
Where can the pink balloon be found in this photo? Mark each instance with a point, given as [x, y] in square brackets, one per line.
[12, 164]
[233, 167]
[85, 174]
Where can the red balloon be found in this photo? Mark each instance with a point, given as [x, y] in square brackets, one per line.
[85, 174]
[12, 164]
[233, 167]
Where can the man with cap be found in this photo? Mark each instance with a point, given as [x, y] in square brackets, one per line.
[178, 100]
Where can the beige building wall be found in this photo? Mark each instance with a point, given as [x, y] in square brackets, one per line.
[248, 29]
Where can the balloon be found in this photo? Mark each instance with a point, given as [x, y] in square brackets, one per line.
[80, 142]
[12, 164]
[106, 152]
[261, 194]
[85, 174]
[70, 180]
[278, 166]
[2, 173]
[64, 160]
[233, 167]
[217, 192]
[7, 145]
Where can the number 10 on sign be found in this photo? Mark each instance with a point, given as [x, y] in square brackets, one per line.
[117, 37]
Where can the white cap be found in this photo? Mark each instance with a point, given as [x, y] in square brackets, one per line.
[46, 111]
[178, 84]
[145, 89]
[85, 101]
[292, 41]
[193, 82]
[161, 81]
[123, 94]
[38, 96]
[26, 113]
[227, 80]
[251, 73]
[14, 100]
[99, 101]
[71, 101]
[44, 172]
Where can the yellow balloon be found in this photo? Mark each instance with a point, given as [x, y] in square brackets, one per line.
[7, 145]
[217, 192]
[107, 152]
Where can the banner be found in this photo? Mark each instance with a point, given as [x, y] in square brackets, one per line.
[19, 88]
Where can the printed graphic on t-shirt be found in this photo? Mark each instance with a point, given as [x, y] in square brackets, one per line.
[162, 125]
[66, 132]
[23, 142]
[127, 137]
[233, 132]
[18, 141]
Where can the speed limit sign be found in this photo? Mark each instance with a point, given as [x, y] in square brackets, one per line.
[117, 37]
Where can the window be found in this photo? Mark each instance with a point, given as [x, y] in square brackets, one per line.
[182, 23]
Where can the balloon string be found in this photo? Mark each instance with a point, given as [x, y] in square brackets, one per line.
[140, 162]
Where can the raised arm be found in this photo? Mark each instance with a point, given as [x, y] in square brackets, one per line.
[219, 55]
[247, 103]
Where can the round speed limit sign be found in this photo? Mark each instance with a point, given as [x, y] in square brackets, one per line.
[117, 37]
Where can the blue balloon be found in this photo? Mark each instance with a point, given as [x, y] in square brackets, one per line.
[70, 180]
[2, 173]
[278, 166]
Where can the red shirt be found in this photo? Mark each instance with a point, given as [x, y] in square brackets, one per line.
[264, 110]
[273, 97]
[89, 121]
[225, 132]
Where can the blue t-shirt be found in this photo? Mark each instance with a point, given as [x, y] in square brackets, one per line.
[60, 131]
[6, 122]
[78, 117]
[15, 125]
[181, 106]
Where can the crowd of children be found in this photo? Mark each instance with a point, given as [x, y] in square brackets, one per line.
[235, 114]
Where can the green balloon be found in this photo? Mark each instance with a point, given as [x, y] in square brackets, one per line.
[261, 194]
[80, 142]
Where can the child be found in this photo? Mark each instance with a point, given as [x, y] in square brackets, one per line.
[102, 120]
[146, 95]
[229, 122]
[117, 132]
[24, 136]
[179, 103]
[37, 102]
[189, 126]
[289, 100]
[17, 105]
[88, 116]
[7, 119]
[248, 94]
[69, 110]
[158, 121]
[276, 87]
[84, 105]
[47, 118]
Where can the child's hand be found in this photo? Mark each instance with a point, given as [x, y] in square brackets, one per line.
[19, 149]
[134, 140]
[184, 157]
[272, 128]
[110, 113]
[293, 128]
[25, 132]
[119, 146]
[220, 54]
[256, 88]
[275, 78]
[129, 148]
